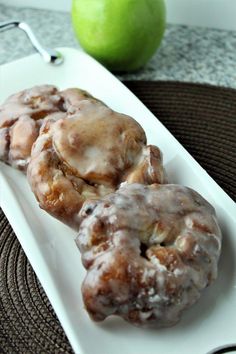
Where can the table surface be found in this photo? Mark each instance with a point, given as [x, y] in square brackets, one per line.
[190, 54]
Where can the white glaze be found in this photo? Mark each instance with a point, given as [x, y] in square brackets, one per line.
[88, 155]
[23, 113]
[170, 276]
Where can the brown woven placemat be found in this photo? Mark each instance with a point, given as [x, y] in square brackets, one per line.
[203, 119]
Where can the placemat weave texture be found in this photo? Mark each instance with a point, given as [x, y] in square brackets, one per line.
[203, 119]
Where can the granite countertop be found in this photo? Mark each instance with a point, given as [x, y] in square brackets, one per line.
[190, 54]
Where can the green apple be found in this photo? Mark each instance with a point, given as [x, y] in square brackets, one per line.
[121, 34]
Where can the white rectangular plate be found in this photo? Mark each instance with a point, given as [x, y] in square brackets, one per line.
[50, 245]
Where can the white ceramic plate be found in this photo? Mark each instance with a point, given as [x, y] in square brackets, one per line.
[50, 246]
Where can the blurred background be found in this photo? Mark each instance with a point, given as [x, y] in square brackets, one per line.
[199, 43]
[208, 13]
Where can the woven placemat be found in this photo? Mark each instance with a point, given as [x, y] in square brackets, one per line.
[203, 119]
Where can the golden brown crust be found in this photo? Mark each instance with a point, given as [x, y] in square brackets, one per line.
[149, 252]
[91, 153]
[23, 113]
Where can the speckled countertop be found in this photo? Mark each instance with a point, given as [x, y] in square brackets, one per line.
[187, 53]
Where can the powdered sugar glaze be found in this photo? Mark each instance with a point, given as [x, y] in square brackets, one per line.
[22, 115]
[149, 251]
[88, 155]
